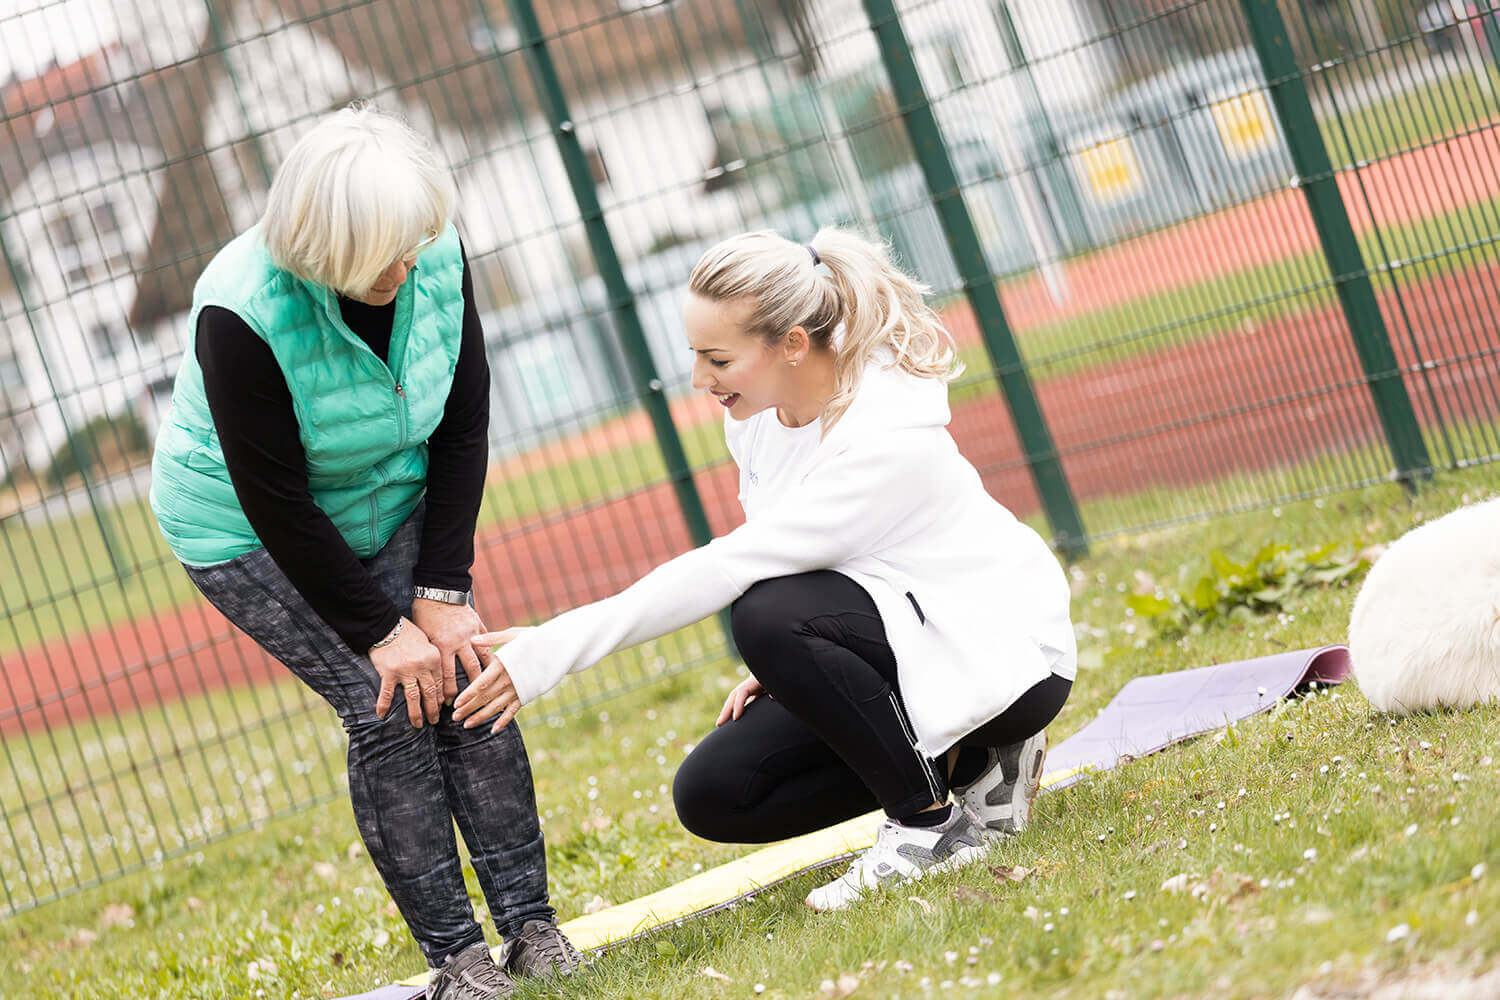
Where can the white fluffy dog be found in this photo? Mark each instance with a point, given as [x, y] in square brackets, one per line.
[1425, 632]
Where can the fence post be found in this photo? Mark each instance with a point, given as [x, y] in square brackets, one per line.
[979, 284]
[1351, 279]
[621, 299]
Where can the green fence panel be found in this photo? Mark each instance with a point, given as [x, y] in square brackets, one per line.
[978, 282]
[1118, 173]
[1352, 281]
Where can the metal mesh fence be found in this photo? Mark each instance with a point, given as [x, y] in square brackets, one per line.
[1200, 257]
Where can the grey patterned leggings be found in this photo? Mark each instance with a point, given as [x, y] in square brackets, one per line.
[407, 785]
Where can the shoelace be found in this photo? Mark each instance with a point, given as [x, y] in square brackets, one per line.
[554, 946]
[488, 976]
[477, 979]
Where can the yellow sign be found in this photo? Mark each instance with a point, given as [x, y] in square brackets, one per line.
[1244, 123]
[1111, 168]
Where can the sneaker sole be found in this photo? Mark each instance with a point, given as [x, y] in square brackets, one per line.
[958, 859]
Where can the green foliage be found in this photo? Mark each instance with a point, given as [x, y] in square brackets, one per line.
[1238, 592]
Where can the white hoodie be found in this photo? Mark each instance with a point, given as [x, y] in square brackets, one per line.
[975, 606]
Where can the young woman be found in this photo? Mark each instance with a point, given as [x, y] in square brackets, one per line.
[911, 636]
[319, 476]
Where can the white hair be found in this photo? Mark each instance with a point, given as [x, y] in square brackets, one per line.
[355, 193]
[864, 304]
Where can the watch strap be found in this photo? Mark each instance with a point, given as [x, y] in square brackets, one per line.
[438, 594]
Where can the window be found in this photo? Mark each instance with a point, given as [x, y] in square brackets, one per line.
[106, 223]
[65, 244]
[598, 169]
[103, 340]
[727, 166]
[954, 62]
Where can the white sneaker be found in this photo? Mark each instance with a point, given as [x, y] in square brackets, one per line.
[1000, 798]
[903, 853]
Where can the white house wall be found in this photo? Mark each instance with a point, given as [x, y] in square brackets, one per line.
[67, 376]
[515, 197]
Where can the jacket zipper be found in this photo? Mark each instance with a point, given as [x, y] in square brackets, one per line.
[911, 739]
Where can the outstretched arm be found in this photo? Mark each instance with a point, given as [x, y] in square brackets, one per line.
[853, 503]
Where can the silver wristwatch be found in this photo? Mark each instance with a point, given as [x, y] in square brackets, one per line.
[438, 594]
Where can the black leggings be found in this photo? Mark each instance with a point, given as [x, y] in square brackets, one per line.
[832, 741]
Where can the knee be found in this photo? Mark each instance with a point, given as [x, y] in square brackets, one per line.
[764, 626]
[699, 794]
[373, 737]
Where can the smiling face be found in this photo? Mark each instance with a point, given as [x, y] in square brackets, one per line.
[742, 371]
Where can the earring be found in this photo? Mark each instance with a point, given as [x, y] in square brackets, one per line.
[794, 362]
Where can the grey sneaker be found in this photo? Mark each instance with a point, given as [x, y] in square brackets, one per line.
[541, 949]
[1000, 798]
[470, 975]
[903, 853]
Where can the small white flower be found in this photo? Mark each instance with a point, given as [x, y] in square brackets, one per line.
[1311, 854]
[1129, 894]
[1477, 872]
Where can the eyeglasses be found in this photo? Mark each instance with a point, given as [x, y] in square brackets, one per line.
[417, 248]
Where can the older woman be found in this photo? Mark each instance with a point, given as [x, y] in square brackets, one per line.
[319, 475]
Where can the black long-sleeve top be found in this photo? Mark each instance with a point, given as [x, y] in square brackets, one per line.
[258, 431]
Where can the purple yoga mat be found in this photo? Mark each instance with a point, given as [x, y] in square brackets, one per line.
[1149, 714]
[1154, 712]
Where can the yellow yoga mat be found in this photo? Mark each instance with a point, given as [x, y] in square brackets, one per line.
[725, 885]
[731, 882]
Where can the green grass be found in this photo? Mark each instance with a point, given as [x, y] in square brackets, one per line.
[1397, 813]
[1429, 111]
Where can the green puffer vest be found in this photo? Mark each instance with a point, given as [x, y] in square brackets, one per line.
[364, 425]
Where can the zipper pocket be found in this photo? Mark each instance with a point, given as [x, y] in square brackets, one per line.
[911, 739]
[921, 618]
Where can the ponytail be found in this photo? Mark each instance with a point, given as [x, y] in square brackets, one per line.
[862, 307]
[883, 308]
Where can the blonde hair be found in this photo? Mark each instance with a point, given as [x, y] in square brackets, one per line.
[355, 193]
[879, 305]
